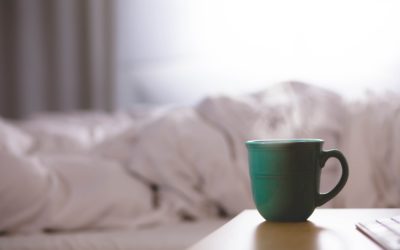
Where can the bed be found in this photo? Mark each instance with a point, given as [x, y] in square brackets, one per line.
[172, 236]
[162, 178]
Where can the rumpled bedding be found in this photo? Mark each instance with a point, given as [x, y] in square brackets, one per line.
[150, 166]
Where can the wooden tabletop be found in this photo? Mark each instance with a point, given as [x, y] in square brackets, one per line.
[325, 229]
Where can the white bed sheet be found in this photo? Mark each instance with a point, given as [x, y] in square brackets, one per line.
[187, 162]
[176, 236]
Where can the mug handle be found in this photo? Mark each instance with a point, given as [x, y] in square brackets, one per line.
[324, 156]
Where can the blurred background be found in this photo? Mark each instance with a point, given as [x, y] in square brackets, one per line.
[68, 55]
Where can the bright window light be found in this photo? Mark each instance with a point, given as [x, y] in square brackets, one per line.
[241, 45]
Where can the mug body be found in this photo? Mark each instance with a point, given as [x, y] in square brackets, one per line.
[285, 176]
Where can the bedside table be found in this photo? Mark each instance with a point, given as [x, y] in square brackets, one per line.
[325, 229]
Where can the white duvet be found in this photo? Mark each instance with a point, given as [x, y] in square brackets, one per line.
[134, 168]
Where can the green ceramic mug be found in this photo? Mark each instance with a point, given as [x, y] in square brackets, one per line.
[285, 177]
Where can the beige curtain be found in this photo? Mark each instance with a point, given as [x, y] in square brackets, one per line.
[55, 55]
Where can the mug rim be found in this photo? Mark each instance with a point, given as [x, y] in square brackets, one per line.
[278, 142]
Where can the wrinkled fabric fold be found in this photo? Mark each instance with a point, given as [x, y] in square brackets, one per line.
[135, 168]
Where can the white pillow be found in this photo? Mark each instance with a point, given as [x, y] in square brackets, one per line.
[13, 139]
[70, 133]
[69, 192]
[23, 192]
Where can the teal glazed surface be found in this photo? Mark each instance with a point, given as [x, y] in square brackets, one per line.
[285, 177]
